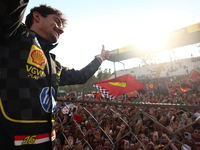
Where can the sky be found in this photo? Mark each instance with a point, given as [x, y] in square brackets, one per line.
[115, 24]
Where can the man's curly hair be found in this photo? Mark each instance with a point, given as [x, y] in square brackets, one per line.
[45, 10]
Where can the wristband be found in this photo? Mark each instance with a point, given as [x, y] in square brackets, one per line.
[100, 58]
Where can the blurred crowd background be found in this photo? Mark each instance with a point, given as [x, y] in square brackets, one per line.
[105, 126]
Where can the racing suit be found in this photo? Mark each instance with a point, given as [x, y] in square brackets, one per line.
[29, 78]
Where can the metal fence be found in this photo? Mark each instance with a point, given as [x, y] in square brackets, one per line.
[88, 121]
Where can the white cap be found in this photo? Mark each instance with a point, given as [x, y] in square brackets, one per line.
[185, 147]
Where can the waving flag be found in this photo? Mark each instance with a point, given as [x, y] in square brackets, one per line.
[118, 86]
[150, 86]
[184, 89]
[194, 76]
[173, 87]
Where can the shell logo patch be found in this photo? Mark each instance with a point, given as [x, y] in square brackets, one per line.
[37, 57]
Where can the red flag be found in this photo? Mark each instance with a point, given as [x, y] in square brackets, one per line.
[174, 87]
[194, 76]
[184, 89]
[150, 86]
[98, 96]
[78, 118]
[119, 85]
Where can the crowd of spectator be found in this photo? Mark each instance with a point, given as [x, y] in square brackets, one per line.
[122, 127]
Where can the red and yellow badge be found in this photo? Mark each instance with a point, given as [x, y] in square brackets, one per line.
[121, 84]
[36, 57]
[150, 86]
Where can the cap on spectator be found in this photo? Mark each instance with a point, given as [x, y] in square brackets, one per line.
[78, 118]
[122, 141]
[197, 114]
[153, 101]
[137, 101]
[132, 94]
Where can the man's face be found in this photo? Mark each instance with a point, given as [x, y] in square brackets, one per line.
[70, 140]
[50, 28]
[107, 145]
[197, 133]
[68, 127]
[58, 145]
[94, 143]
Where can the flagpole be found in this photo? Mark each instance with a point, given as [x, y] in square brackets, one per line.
[114, 70]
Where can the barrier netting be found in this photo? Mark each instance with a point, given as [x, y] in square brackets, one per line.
[94, 125]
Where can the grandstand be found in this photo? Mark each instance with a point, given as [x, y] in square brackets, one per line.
[181, 38]
[163, 70]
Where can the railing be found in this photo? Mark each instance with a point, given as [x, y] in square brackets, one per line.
[102, 122]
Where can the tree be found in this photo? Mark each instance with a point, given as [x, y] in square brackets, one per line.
[103, 75]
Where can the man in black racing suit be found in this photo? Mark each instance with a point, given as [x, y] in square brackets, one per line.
[30, 75]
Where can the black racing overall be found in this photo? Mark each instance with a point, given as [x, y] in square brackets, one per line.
[29, 78]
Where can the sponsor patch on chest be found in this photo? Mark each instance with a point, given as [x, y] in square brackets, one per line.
[36, 63]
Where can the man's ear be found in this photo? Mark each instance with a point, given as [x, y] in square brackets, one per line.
[36, 16]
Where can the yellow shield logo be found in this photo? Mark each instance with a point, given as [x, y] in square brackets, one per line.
[36, 57]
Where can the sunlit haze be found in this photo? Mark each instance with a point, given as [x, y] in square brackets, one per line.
[117, 23]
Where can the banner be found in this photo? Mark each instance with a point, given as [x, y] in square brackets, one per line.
[67, 108]
[150, 86]
[173, 87]
[115, 87]
[194, 76]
